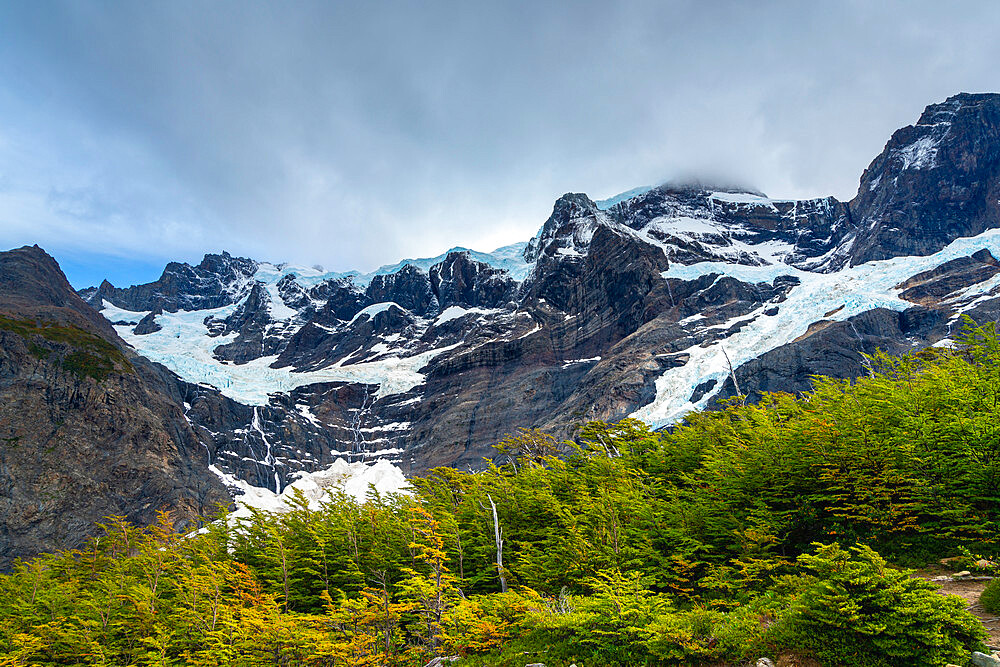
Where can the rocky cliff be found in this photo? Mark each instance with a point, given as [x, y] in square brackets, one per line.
[88, 428]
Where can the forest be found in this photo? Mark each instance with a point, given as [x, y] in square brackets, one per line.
[747, 531]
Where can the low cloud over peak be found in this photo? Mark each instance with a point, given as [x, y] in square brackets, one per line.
[353, 135]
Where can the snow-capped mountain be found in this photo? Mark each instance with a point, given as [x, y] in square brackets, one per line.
[648, 304]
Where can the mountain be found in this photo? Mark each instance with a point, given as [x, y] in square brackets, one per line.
[649, 304]
[88, 428]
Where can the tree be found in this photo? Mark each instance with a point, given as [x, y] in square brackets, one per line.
[429, 583]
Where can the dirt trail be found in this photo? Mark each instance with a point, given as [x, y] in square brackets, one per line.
[969, 590]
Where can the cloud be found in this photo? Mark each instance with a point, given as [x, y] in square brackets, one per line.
[353, 134]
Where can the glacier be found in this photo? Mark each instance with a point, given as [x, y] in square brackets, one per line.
[842, 294]
[184, 346]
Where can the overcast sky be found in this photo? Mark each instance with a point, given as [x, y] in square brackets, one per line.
[353, 135]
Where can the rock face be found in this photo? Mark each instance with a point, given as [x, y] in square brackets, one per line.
[250, 324]
[88, 429]
[409, 287]
[650, 304]
[215, 282]
[462, 281]
[147, 324]
[935, 181]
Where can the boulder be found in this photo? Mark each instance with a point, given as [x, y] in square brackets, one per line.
[983, 660]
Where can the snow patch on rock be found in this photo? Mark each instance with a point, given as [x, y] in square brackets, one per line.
[921, 154]
[321, 486]
[605, 204]
[374, 309]
[454, 312]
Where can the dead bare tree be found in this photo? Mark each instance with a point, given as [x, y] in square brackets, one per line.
[732, 374]
[498, 537]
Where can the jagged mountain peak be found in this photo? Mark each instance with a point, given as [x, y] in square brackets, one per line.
[693, 222]
[218, 280]
[568, 230]
[224, 262]
[935, 181]
[624, 306]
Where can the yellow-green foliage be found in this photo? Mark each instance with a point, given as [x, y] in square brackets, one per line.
[854, 609]
[717, 541]
[990, 597]
[907, 460]
[82, 353]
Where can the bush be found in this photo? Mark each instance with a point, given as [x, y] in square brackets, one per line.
[705, 634]
[605, 628]
[488, 623]
[853, 609]
[990, 597]
[620, 624]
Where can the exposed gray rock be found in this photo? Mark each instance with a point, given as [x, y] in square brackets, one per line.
[79, 444]
[409, 287]
[462, 281]
[148, 324]
[343, 301]
[181, 287]
[250, 321]
[935, 181]
[984, 660]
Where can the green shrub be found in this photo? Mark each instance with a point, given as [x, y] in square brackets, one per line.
[990, 597]
[704, 634]
[621, 623]
[853, 609]
[84, 364]
[605, 628]
[84, 354]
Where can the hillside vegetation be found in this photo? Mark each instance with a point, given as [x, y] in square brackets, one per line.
[747, 531]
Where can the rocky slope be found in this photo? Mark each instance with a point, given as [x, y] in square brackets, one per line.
[88, 428]
[650, 304]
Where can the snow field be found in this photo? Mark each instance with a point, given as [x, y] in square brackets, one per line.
[184, 346]
[318, 487]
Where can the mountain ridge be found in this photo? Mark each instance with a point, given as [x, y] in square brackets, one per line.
[609, 307]
[647, 305]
